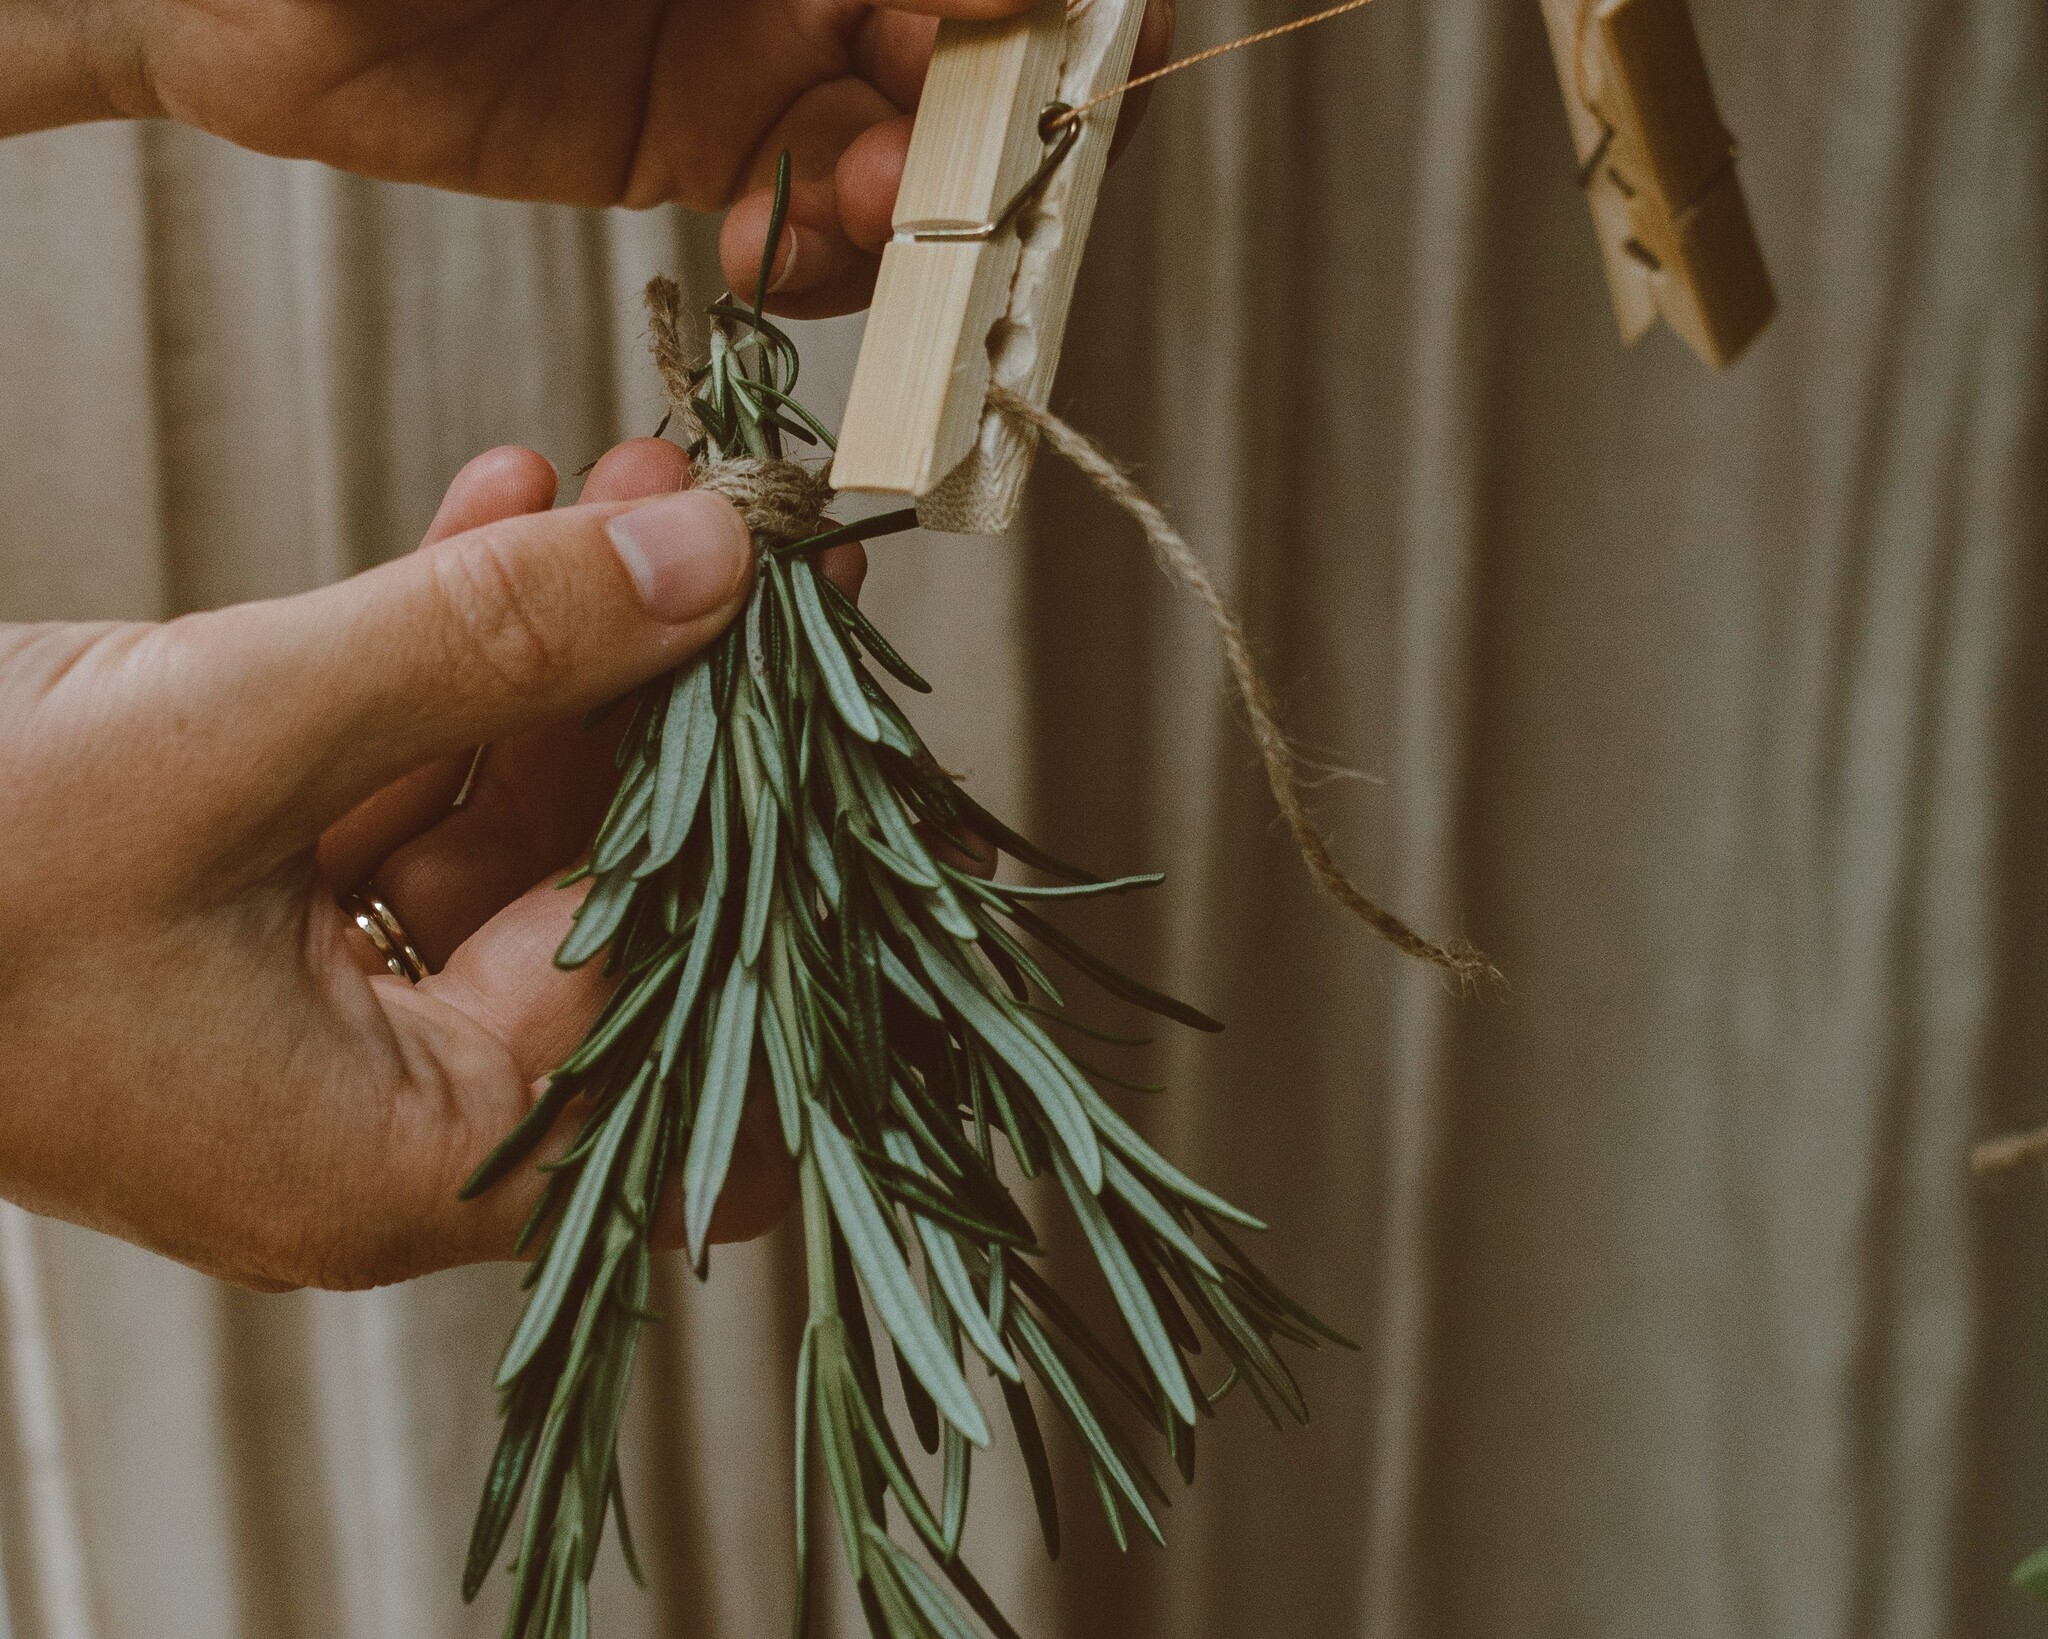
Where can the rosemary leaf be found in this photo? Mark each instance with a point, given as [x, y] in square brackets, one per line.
[1148, 1331]
[765, 879]
[888, 1281]
[721, 1103]
[829, 650]
[1031, 1443]
[567, 1245]
[689, 736]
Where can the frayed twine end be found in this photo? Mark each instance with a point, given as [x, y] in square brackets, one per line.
[1286, 772]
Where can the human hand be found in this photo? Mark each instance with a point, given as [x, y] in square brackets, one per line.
[587, 102]
[198, 1051]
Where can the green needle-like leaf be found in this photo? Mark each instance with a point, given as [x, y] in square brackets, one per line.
[927, 1595]
[689, 736]
[767, 873]
[1031, 1444]
[830, 653]
[566, 1249]
[949, 1272]
[872, 640]
[887, 1278]
[1148, 1331]
[719, 1108]
[597, 919]
[1130, 1188]
[760, 883]
[1058, 1089]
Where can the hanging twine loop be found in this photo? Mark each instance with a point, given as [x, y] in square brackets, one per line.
[1285, 774]
[784, 502]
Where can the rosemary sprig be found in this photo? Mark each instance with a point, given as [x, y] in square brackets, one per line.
[764, 887]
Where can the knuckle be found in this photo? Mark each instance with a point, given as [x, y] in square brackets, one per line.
[503, 619]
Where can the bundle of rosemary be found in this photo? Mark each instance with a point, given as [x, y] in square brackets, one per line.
[774, 888]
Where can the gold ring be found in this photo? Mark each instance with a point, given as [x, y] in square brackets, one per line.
[382, 928]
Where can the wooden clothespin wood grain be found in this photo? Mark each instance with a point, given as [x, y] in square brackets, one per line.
[953, 313]
[1659, 171]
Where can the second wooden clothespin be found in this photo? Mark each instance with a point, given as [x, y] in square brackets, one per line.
[1659, 170]
[998, 194]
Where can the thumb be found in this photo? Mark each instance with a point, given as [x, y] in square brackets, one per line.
[520, 622]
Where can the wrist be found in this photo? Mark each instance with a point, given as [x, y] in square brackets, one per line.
[59, 60]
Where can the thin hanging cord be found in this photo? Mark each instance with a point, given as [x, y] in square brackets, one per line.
[1282, 762]
[1073, 116]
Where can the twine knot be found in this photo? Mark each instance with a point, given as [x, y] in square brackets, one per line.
[781, 501]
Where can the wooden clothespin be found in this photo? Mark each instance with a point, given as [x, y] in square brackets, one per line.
[1659, 171]
[990, 224]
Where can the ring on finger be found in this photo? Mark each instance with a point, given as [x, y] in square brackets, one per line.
[385, 932]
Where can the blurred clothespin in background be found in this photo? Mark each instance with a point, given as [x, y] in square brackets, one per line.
[1658, 167]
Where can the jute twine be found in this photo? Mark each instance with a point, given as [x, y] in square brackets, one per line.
[782, 502]
[1285, 774]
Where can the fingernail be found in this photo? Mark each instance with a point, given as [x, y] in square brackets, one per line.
[786, 271]
[688, 554]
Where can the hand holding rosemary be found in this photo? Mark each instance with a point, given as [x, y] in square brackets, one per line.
[194, 1055]
[775, 889]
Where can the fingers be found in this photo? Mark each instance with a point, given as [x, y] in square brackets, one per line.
[759, 1185]
[538, 796]
[1155, 40]
[500, 483]
[848, 142]
[892, 53]
[868, 175]
[521, 622]
[962, 8]
[478, 1036]
[504, 980]
[973, 854]
[494, 1023]
[760, 1181]
[638, 468]
[845, 566]
[819, 270]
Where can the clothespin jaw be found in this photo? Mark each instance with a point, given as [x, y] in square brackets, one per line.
[974, 287]
[1659, 171]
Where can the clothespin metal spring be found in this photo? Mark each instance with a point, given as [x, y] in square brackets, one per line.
[1060, 132]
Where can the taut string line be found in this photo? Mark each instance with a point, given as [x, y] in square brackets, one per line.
[1074, 115]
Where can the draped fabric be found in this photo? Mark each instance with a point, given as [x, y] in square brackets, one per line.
[1707, 707]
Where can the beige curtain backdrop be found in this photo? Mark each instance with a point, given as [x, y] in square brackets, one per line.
[1709, 707]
